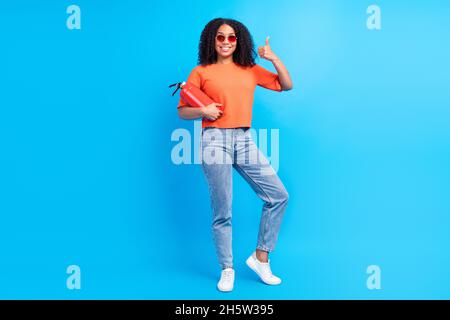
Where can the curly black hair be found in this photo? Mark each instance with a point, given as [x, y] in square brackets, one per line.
[244, 55]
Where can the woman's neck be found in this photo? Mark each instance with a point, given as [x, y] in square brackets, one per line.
[227, 60]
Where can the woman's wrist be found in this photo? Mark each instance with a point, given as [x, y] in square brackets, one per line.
[202, 111]
[275, 60]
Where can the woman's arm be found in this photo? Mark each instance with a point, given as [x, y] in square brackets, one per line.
[210, 112]
[266, 52]
[189, 113]
[283, 74]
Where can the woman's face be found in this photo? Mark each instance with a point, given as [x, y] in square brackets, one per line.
[226, 48]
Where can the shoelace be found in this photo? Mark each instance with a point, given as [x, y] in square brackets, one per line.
[227, 275]
[266, 269]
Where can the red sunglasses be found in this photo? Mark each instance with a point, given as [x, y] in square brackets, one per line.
[221, 38]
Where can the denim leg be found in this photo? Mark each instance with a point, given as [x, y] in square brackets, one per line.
[216, 164]
[254, 167]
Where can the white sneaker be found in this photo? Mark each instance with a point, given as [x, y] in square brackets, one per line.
[226, 281]
[262, 269]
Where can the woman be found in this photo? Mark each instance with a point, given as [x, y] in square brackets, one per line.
[227, 73]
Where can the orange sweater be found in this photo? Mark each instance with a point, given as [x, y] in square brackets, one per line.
[234, 87]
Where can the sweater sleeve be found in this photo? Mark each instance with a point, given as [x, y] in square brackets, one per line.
[266, 78]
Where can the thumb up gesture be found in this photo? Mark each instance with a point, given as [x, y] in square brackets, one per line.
[266, 52]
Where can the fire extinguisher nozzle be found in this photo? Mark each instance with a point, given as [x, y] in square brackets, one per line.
[178, 87]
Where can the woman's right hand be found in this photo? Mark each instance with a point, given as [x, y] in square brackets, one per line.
[211, 111]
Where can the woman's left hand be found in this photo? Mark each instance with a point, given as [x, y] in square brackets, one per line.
[266, 52]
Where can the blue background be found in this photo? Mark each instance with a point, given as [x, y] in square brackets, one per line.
[87, 178]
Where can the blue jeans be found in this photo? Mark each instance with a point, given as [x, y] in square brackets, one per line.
[221, 150]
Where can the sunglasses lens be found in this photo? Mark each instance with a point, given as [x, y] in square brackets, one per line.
[221, 38]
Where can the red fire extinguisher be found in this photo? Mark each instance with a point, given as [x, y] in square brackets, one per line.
[192, 95]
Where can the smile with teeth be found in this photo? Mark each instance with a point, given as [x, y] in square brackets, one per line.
[225, 48]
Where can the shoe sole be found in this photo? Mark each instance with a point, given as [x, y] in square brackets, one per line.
[229, 290]
[251, 264]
